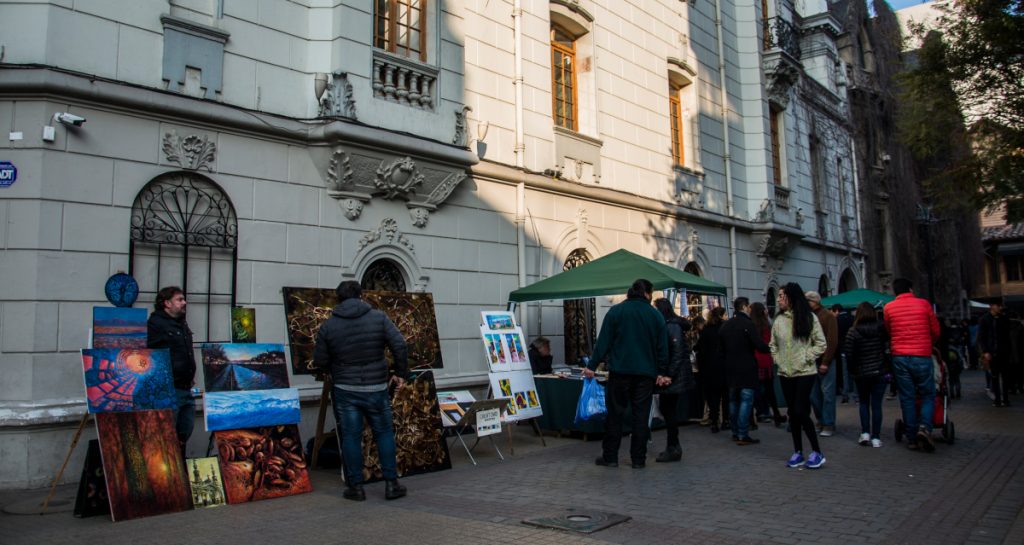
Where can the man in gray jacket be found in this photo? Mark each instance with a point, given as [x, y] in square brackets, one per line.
[351, 345]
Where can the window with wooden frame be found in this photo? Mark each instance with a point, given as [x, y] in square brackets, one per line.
[563, 79]
[399, 26]
[675, 113]
[773, 121]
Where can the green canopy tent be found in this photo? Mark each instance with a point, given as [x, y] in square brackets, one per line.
[850, 299]
[613, 274]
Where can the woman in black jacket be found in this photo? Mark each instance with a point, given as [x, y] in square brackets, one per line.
[865, 356]
[682, 379]
[711, 366]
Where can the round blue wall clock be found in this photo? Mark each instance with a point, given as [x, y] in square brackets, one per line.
[122, 290]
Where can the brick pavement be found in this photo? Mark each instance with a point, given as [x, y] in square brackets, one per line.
[970, 492]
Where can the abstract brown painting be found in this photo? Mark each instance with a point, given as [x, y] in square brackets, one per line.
[306, 309]
[420, 446]
[142, 463]
[262, 463]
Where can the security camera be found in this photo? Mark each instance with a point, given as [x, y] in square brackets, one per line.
[69, 119]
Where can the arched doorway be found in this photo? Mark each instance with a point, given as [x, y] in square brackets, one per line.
[694, 302]
[847, 281]
[579, 316]
[383, 275]
[823, 286]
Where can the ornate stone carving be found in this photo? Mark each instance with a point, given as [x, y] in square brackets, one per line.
[397, 179]
[192, 152]
[387, 233]
[440, 193]
[765, 214]
[782, 76]
[694, 237]
[419, 216]
[461, 135]
[772, 246]
[800, 218]
[353, 208]
[338, 101]
[339, 172]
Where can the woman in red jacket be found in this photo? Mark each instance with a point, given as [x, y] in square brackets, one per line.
[765, 369]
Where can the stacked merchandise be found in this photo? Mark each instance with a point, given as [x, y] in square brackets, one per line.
[510, 374]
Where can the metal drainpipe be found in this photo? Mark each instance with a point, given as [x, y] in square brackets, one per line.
[727, 157]
[520, 149]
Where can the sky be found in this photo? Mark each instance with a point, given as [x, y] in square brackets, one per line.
[900, 4]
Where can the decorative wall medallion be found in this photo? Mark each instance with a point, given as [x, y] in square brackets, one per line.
[419, 216]
[398, 179]
[387, 233]
[192, 152]
[352, 208]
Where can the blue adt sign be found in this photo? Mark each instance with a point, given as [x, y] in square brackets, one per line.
[8, 173]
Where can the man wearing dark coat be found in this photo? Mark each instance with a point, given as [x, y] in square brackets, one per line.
[350, 344]
[167, 328]
[739, 339]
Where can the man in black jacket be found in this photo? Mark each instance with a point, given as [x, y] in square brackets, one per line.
[351, 345]
[168, 329]
[739, 340]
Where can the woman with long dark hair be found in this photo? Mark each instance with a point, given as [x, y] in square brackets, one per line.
[711, 366]
[797, 341]
[865, 356]
[765, 368]
[670, 397]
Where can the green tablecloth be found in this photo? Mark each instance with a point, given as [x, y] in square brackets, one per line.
[558, 398]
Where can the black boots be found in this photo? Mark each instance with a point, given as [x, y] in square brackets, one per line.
[354, 493]
[671, 454]
[393, 490]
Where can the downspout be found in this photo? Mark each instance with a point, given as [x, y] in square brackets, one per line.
[727, 157]
[520, 149]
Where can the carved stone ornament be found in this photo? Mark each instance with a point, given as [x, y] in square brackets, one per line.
[353, 208]
[339, 172]
[440, 193]
[338, 101]
[766, 213]
[419, 216]
[398, 179]
[387, 233]
[192, 152]
[781, 76]
[461, 135]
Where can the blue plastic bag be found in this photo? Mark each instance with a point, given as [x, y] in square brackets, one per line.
[591, 402]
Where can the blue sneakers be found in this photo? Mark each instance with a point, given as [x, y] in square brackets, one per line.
[796, 460]
[815, 461]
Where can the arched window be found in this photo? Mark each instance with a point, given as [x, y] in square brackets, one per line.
[579, 316]
[823, 286]
[383, 275]
[847, 281]
[184, 232]
[769, 301]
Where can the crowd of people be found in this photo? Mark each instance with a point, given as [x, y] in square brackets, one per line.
[819, 355]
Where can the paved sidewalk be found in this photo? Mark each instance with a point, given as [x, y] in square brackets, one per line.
[969, 492]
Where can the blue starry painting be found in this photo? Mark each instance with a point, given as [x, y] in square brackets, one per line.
[120, 380]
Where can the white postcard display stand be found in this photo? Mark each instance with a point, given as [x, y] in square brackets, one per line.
[460, 412]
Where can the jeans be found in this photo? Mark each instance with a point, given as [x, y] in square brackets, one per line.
[741, 402]
[914, 378]
[823, 397]
[871, 391]
[850, 387]
[184, 416]
[669, 405]
[636, 392]
[797, 391]
[349, 410]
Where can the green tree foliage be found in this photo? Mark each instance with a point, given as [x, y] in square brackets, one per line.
[969, 73]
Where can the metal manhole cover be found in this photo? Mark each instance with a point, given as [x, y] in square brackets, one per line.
[574, 520]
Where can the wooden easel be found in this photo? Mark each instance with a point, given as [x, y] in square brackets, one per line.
[321, 417]
[60, 473]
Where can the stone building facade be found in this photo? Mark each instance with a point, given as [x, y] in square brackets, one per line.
[459, 148]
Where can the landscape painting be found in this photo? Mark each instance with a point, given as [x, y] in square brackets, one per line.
[244, 366]
[262, 463]
[243, 325]
[306, 309]
[119, 379]
[142, 464]
[498, 319]
[114, 327]
[205, 482]
[250, 409]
